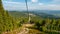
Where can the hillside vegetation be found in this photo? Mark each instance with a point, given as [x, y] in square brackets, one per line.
[7, 23]
[45, 25]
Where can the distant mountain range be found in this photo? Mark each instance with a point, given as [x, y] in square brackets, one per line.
[51, 12]
[40, 13]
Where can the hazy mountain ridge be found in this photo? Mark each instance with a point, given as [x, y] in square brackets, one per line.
[51, 12]
[41, 13]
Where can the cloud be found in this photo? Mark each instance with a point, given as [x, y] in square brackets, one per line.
[8, 5]
[40, 3]
[34, 0]
[49, 7]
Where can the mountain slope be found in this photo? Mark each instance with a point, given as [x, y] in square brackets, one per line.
[7, 23]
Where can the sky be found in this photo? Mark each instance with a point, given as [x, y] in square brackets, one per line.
[32, 4]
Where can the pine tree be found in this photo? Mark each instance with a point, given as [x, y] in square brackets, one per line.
[7, 23]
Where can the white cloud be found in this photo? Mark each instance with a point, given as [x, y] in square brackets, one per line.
[9, 5]
[34, 0]
[40, 3]
[10, 2]
[49, 7]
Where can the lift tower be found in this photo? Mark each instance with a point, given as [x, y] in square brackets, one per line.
[28, 12]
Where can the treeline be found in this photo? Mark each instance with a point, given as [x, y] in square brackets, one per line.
[7, 23]
[49, 26]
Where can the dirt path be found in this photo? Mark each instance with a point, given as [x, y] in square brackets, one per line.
[25, 30]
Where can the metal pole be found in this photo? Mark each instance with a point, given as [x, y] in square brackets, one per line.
[27, 11]
[26, 5]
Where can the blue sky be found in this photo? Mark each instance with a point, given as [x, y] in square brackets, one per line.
[32, 4]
